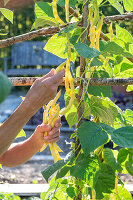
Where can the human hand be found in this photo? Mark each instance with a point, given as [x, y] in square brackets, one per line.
[43, 90]
[53, 133]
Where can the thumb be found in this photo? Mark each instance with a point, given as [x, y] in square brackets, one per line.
[51, 73]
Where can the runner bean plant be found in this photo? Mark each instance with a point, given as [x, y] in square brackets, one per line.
[90, 170]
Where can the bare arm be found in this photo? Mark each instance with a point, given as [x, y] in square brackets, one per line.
[42, 91]
[19, 153]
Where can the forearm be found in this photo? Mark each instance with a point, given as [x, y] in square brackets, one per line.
[12, 126]
[19, 153]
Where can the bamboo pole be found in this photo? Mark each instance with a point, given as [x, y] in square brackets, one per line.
[126, 16]
[28, 81]
[52, 30]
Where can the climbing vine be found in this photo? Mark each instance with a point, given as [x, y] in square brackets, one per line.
[91, 171]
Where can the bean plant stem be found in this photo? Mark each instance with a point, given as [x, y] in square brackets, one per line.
[81, 87]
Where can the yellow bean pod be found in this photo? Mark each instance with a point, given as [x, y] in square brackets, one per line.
[99, 28]
[92, 28]
[96, 13]
[56, 13]
[111, 32]
[54, 152]
[67, 10]
[60, 67]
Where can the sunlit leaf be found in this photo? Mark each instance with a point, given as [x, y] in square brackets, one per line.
[57, 45]
[129, 88]
[117, 5]
[123, 193]
[128, 5]
[44, 21]
[21, 134]
[7, 13]
[43, 9]
[123, 34]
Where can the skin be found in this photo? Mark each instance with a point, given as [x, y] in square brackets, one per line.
[19, 153]
[41, 92]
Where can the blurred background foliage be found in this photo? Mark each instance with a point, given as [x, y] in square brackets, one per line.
[24, 18]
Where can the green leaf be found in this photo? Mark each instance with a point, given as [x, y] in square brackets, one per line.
[100, 90]
[113, 48]
[57, 45]
[78, 72]
[126, 74]
[104, 91]
[128, 114]
[2, 32]
[44, 21]
[125, 66]
[52, 169]
[5, 87]
[129, 167]
[122, 155]
[7, 13]
[123, 137]
[117, 5]
[62, 172]
[128, 5]
[86, 168]
[106, 128]
[21, 134]
[72, 115]
[129, 88]
[56, 166]
[123, 34]
[107, 113]
[72, 3]
[99, 2]
[91, 136]
[71, 192]
[76, 34]
[43, 9]
[68, 28]
[96, 62]
[123, 193]
[85, 51]
[105, 182]
[110, 160]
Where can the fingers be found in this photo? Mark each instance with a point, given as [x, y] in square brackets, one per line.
[54, 133]
[58, 78]
[55, 137]
[58, 122]
[43, 128]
